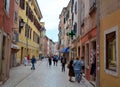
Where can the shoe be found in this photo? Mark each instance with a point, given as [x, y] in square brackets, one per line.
[71, 81]
[78, 81]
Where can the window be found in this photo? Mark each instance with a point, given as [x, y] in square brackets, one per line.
[92, 2]
[17, 1]
[15, 37]
[72, 2]
[27, 30]
[76, 8]
[111, 49]
[75, 27]
[35, 38]
[22, 4]
[82, 12]
[7, 5]
[64, 21]
[67, 15]
[15, 16]
[30, 33]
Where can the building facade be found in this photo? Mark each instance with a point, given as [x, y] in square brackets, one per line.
[61, 34]
[29, 35]
[15, 30]
[88, 37]
[56, 52]
[109, 43]
[42, 35]
[65, 28]
[45, 45]
[76, 28]
[6, 22]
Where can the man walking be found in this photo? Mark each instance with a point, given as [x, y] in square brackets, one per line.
[33, 61]
[77, 69]
[63, 61]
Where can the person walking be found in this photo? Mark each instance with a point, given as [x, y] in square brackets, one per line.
[63, 61]
[83, 65]
[28, 58]
[56, 60]
[71, 70]
[50, 61]
[77, 69]
[33, 61]
[93, 68]
[25, 61]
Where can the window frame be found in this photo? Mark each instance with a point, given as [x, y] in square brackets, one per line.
[108, 71]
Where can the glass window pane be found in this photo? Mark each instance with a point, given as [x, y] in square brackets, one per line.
[111, 51]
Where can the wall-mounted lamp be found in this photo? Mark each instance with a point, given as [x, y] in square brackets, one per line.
[21, 24]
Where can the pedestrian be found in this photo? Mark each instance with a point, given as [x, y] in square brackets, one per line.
[50, 61]
[25, 61]
[93, 68]
[28, 58]
[71, 70]
[33, 61]
[77, 69]
[56, 60]
[63, 61]
[83, 65]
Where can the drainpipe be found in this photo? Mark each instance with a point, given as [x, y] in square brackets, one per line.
[98, 45]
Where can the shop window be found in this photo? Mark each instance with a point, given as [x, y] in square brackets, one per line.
[111, 55]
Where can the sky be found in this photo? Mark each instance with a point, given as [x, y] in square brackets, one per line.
[51, 9]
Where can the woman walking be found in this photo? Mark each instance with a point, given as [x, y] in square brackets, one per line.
[71, 70]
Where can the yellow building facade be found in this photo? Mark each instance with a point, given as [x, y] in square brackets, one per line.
[110, 43]
[29, 35]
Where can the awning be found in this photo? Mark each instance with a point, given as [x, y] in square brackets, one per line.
[15, 48]
[65, 50]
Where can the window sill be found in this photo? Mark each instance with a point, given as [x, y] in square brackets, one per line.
[113, 73]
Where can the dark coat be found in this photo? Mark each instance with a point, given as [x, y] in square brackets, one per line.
[33, 60]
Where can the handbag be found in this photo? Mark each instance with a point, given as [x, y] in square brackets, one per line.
[68, 66]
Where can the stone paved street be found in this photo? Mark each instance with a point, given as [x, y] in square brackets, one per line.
[43, 76]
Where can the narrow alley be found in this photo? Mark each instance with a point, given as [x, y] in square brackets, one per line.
[43, 76]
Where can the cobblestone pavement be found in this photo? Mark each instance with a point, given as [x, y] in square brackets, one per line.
[43, 76]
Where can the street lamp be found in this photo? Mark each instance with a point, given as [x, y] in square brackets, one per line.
[15, 31]
[21, 24]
